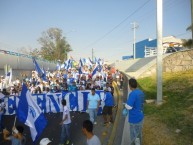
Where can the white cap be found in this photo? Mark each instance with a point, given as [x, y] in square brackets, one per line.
[45, 141]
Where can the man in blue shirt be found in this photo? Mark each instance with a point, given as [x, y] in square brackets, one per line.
[135, 106]
[107, 109]
[93, 102]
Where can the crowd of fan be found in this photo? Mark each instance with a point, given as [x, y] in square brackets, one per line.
[63, 80]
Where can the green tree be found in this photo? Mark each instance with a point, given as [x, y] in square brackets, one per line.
[188, 43]
[53, 45]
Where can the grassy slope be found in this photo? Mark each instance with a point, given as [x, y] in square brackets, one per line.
[162, 121]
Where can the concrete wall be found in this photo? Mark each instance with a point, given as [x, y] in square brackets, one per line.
[22, 65]
[179, 61]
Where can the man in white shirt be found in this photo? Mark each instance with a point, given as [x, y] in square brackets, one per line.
[66, 121]
[87, 129]
[2, 84]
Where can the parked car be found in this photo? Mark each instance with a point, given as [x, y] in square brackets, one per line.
[174, 49]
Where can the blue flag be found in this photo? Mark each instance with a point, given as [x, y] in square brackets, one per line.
[41, 74]
[29, 112]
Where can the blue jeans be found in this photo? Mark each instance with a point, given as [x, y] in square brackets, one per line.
[1, 120]
[92, 114]
[65, 134]
[136, 132]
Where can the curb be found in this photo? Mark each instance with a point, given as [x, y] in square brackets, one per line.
[118, 114]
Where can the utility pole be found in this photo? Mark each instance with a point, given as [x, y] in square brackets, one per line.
[135, 26]
[92, 55]
[159, 50]
[192, 16]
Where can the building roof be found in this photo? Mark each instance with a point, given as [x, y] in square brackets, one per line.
[172, 39]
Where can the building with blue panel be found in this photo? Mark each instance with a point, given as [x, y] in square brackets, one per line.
[148, 47]
[140, 47]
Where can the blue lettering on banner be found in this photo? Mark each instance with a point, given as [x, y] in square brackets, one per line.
[73, 99]
[85, 96]
[51, 102]
[41, 101]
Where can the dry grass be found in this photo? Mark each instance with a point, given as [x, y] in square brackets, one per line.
[156, 133]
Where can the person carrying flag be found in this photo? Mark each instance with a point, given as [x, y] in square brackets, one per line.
[29, 113]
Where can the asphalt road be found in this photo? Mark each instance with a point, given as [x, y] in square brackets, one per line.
[53, 129]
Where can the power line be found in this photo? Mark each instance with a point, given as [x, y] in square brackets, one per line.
[167, 5]
[96, 41]
[150, 12]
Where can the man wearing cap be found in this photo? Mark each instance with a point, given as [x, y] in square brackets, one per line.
[45, 141]
[93, 102]
[17, 138]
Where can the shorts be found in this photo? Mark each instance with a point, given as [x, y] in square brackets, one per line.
[107, 110]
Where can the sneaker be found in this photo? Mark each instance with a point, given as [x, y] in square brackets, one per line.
[95, 122]
[67, 142]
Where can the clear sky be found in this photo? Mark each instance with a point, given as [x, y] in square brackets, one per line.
[86, 22]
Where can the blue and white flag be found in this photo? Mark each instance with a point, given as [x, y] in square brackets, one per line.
[90, 60]
[63, 66]
[95, 60]
[100, 61]
[67, 64]
[95, 70]
[30, 113]
[8, 76]
[80, 67]
[39, 71]
[44, 74]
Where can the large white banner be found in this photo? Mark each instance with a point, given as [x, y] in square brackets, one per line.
[51, 102]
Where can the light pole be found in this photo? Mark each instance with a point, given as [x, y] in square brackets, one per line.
[135, 26]
[159, 50]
